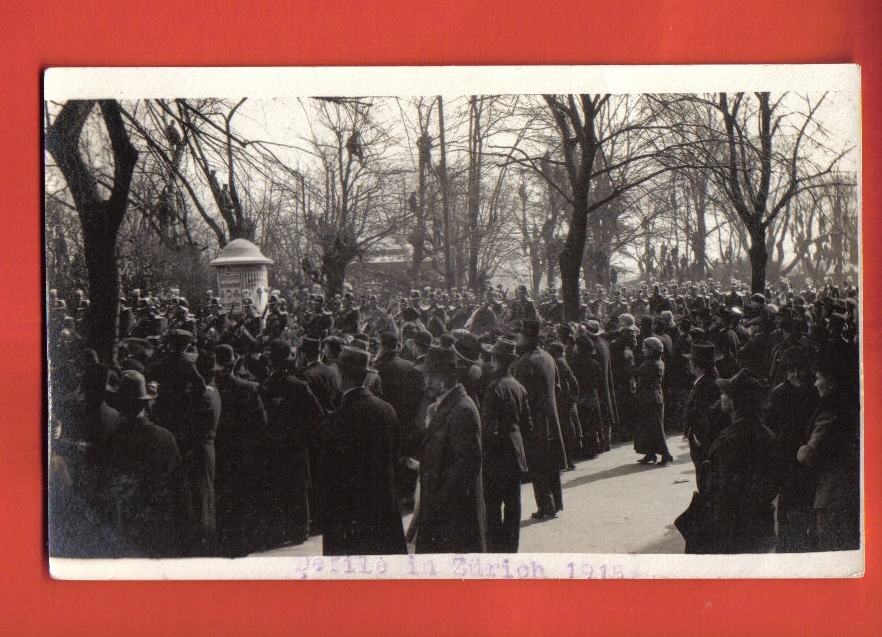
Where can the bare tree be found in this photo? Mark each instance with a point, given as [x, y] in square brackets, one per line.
[359, 206]
[100, 212]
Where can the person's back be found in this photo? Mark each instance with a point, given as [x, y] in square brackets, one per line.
[359, 511]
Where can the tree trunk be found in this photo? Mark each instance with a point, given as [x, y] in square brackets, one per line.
[474, 192]
[759, 257]
[334, 266]
[571, 256]
[104, 292]
[445, 197]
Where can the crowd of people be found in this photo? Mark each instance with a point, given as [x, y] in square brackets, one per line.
[219, 435]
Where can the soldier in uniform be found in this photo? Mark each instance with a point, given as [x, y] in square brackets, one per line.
[276, 319]
[522, 307]
[347, 319]
[317, 322]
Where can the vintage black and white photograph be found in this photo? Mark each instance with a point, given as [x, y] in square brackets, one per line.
[495, 322]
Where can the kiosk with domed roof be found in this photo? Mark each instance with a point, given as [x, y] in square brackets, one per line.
[242, 273]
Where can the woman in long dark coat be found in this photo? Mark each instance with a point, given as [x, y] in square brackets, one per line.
[649, 433]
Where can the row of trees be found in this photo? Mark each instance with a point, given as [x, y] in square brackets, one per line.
[472, 187]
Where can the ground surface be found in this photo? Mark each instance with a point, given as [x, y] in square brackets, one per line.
[612, 504]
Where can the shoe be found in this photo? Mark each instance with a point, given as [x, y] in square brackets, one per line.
[666, 460]
[647, 459]
[571, 467]
[544, 515]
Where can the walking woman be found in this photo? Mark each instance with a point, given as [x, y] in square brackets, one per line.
[649, 433]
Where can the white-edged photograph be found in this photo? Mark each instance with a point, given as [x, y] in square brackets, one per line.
[453, 322]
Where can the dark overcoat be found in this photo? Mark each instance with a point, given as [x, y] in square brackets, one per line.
[833, 450]
[742, 482]
[147, 490]
[294, 417]
[242, 420]
[607, 390]
[403, 389]
[537, 372]
[451, 508]
[649, 432]
[701, 423]
[359, 512]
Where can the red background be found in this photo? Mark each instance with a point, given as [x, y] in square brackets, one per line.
[221, 32]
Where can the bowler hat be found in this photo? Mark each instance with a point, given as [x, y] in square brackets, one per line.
[423, 338]
[389, 340]
[132, 386]
[744, 383]
[280, 350]
[438, 361]
[310, 346]
[223, 356]
[355, 358]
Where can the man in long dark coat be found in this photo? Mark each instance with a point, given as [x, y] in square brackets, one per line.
[451, 517]
[403, 389]
[146, 486]
[546, 455]
[242, 420]
[294, 417]
[359, 513]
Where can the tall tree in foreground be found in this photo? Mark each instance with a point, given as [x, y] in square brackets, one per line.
[100, 216]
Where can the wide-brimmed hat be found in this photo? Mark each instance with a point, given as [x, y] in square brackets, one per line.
[467, 346]
[280, 350]
[439, 360]
[132, 386]
[703, 354]
[744, 383]
[355, 358]
[224, 356]
[593, 328]
[666, 318]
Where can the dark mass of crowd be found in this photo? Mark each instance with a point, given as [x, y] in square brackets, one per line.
[219, 435]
